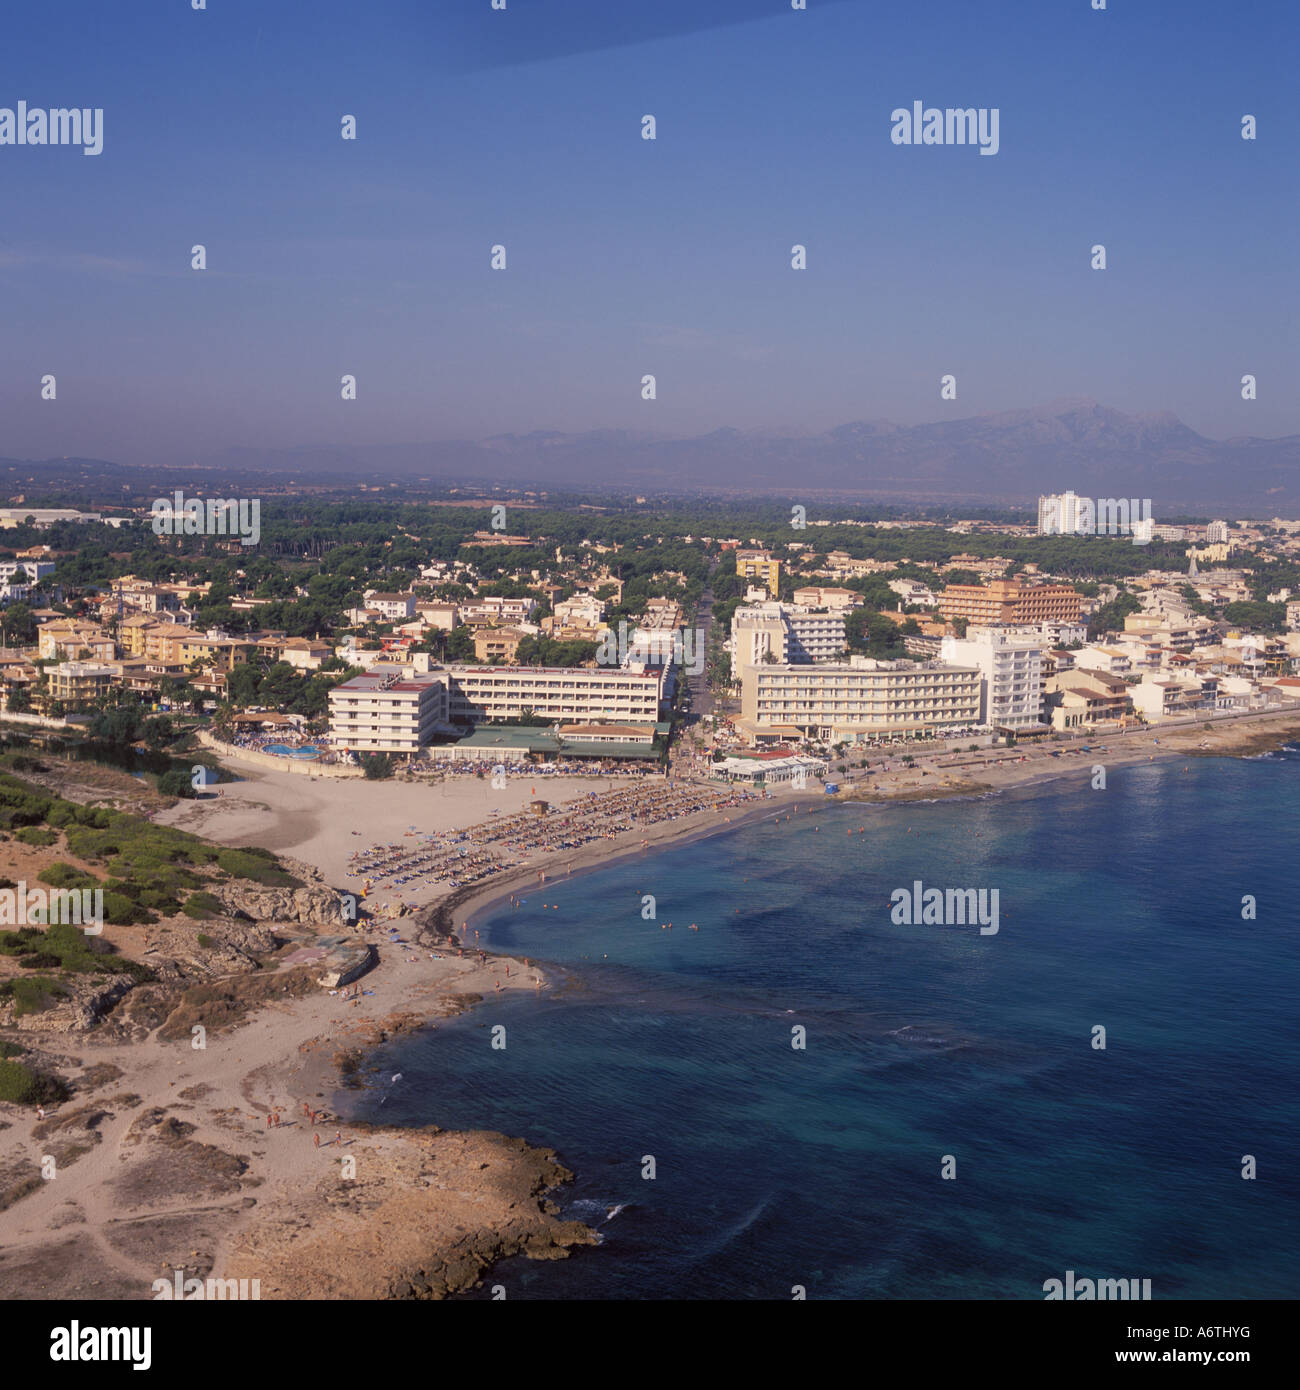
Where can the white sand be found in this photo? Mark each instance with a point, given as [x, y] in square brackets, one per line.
[314, 819]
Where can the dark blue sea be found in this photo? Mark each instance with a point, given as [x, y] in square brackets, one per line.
[777, 1167]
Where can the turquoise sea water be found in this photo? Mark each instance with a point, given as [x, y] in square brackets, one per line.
[777, 1167]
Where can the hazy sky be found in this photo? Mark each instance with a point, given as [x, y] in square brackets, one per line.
[625, 256]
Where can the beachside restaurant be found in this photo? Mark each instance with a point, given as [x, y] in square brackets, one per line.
[504, 743]
[758, 770]
[266, 721]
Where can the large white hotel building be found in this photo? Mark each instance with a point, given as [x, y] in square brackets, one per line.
[1010, 662]
[858, 699]
[394, 709]
[387, 711]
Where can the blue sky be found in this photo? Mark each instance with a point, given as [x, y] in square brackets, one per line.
[629, 257]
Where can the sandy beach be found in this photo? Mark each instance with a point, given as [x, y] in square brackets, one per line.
[322, 822]
[162, 1157]
[315, 820]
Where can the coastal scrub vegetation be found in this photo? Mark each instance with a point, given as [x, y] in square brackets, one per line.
[20, 1085]
[64, 946]
[150, 869]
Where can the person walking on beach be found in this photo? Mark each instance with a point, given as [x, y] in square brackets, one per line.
[316, 1140]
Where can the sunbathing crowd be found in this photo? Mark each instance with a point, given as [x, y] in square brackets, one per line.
[458, 857]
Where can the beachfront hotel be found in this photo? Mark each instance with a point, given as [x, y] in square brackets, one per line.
[859, 699]
[477, 693]
[395, 709]
[1007, 601]
[386, 711]
[1010, 663]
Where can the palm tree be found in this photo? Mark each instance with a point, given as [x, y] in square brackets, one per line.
[221, 721]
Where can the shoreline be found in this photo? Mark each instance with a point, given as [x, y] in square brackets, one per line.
[154, 1130]
[476, 900]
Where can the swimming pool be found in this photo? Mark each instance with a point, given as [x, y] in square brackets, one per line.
[282, 750]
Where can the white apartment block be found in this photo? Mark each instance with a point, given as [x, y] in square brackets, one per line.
[391, 606]
[35, 570]
[1066, 514]
[1216, 533]
[913, 591]
[1052, 634]
[785, 632]
[577, 693]
[859, 699]
[386, 711]
[1159, 697]
[1113, 660]
[584, 610]
[1063, 514]
[1010, 663]
[504, 612]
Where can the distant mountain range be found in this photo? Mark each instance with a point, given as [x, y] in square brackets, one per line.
[1003, 459]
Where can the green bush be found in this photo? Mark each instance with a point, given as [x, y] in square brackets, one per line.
[377, 766]
[35, 835]
[18, 1084]
[40, 960]
[61, 875]
[258, 864]
[66, 946]
[201, 905]
[176, 782]
[18, 943]
[120, 910]
[204, 940]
